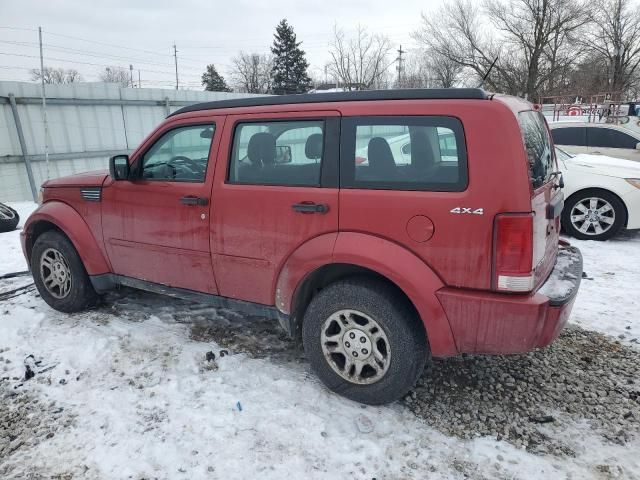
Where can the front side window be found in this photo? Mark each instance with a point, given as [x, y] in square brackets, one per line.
[277, 153]
[180, 155]
[609, 138]
[537, 145]
[403, 153]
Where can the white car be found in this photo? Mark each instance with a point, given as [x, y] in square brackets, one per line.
[602, 195]
[597, 139]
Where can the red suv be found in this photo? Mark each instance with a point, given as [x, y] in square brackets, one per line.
[380, 228]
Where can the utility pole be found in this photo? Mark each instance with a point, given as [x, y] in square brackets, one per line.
[400, 60]
[131, 74]
[175, 56]
[44, 105]
[139, 82]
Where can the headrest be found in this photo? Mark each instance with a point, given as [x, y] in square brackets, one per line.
[313, 147]
[262, 149]
[380, 156]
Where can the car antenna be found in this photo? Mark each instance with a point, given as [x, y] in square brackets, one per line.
[488, 72]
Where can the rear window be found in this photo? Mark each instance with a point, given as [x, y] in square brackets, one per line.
[609, 138]
[538, 146]
[403, 153]
[576, 136]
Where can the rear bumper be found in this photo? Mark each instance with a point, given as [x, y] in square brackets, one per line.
[494, 323]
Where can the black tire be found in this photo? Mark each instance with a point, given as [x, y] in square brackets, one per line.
[9, 218]
[618, 208]
[81, 294]
[408, 345]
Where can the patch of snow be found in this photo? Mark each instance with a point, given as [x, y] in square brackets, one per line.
[608, 300]
[11, 257]
[561, 281]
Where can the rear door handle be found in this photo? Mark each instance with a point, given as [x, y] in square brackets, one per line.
[310, 207]
[194, 201]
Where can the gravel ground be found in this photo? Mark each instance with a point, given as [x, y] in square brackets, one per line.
[528, 399]
[25, 421]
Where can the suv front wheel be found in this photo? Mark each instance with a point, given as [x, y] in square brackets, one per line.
[59, 273]
[364, 340]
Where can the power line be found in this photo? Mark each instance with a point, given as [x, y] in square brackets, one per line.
[90, 53]
[81, 63]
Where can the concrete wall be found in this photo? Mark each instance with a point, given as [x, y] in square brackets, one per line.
[78, 129]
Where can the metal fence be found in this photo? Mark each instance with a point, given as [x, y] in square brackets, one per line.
[87, 123]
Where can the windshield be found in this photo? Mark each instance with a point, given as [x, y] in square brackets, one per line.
[562, 155]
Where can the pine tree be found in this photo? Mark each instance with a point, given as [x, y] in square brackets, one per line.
[213, 81]
[289, 72]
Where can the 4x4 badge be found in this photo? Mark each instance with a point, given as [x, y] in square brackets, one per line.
[470, 211]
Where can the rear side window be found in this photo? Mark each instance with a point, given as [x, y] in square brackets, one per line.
[277, 153]
[403, 153]
[609, 138]
[538, 146]
[576, 136]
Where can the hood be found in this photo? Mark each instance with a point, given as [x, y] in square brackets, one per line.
[86, 179]
[603, 165]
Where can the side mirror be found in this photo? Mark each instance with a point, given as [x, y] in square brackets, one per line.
[119, 167]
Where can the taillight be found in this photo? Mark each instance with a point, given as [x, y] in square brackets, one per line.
[513, 254]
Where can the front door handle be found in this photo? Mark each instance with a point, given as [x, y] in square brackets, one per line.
[190, 200]
[310, 207]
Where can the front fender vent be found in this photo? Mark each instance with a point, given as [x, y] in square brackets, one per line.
[91, 194]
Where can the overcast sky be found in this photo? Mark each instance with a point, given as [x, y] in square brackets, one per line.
[142, 32]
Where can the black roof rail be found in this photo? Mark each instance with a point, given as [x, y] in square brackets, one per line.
[401, 94]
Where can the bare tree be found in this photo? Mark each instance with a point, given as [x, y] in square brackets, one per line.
[455, 33]
[539, 29]
[118, 75]
[422, 69]
[615, 37]
[360, 62]
[56, 75]
[251, 72]
[529, 41]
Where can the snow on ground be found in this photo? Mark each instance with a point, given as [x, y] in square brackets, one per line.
[608, 299]
[12, 259]
[124, 391]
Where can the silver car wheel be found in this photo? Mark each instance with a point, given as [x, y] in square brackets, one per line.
[355, 346]
[55, 273]
[6, 213]
[592, 216]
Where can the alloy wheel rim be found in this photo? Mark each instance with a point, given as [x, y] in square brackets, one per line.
[6, 213]
[355, 347]
[593, 216]
[55, 273]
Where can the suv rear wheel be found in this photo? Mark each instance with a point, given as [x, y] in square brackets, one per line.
[364, 340]
[593, 214]
[59, 274]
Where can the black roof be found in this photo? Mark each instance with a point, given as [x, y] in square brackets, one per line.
[403, 94]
